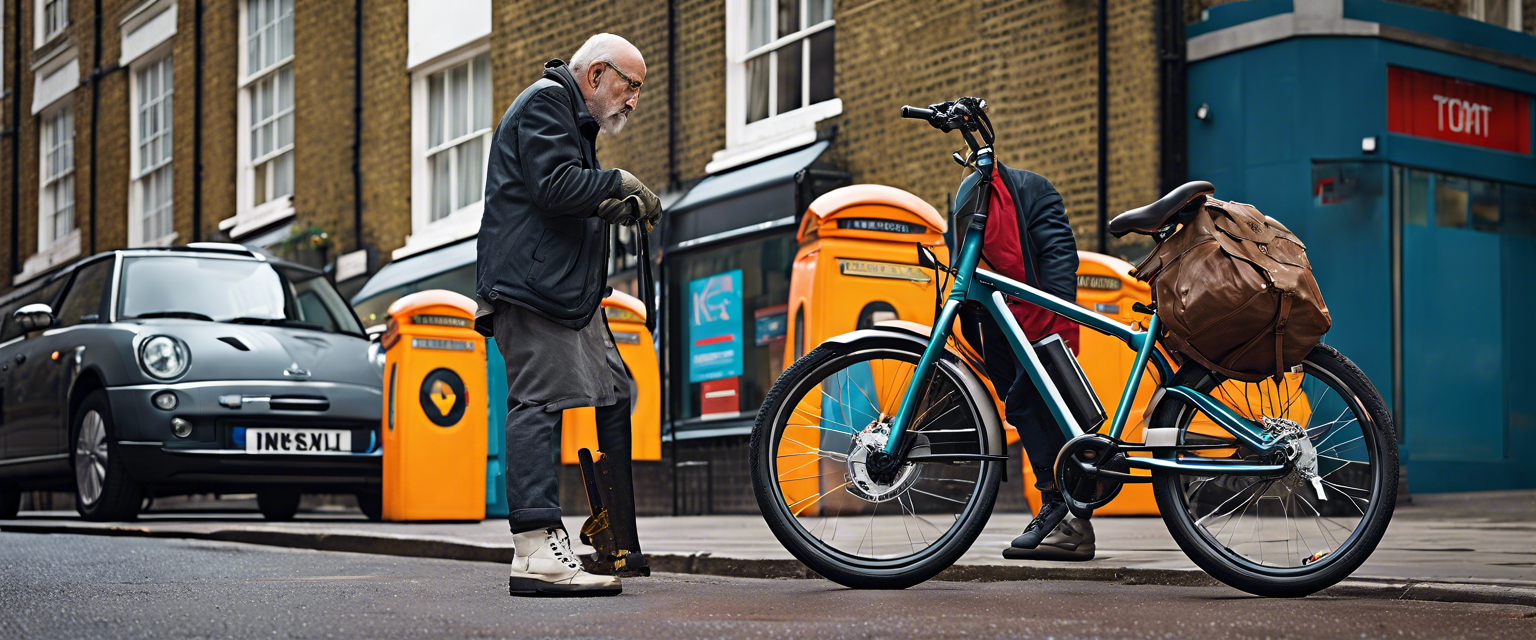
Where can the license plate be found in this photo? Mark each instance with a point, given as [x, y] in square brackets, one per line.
[301, 441]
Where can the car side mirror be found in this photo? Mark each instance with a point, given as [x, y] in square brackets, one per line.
[926, 259]
[34, 317]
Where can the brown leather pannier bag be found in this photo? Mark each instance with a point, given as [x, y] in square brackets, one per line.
[1235, 292]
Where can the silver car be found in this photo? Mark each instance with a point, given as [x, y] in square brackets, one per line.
[192, 369]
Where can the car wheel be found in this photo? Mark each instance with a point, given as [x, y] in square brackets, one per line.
[10, 503]
[103, 490]
[278, 504]
[372, 504]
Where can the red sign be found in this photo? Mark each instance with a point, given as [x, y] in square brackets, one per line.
[1444, 108]
[720, 398]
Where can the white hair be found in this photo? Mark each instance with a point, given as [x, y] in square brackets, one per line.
[598, 48]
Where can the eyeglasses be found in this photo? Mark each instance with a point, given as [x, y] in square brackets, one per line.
[633, 85]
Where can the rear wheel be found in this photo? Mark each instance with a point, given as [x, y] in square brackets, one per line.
[103, 489]
[371, 502]
[818, 426]
[1302, 532]
[10, 503]
[278, 505]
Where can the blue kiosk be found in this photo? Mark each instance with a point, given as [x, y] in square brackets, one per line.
[1397, 142]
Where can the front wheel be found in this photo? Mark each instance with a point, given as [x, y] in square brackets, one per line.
[1302, 532]
[820, 422]
[103, 489]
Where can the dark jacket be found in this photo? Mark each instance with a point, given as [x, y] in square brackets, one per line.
[1049, 247]
[540, 244]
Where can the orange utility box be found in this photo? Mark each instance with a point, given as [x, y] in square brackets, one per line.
[857, 264]
[434, 445]
[626, 319]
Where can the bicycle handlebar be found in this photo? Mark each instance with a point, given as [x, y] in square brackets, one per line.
[916, 113]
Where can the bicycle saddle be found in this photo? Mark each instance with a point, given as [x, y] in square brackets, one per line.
[1152, 217]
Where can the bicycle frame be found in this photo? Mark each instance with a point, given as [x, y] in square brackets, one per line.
[988, 289]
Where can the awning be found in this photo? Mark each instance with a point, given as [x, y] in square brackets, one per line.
[418, 267]
[755, 196]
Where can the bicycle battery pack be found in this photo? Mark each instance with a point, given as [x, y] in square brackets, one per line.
[1068, 376]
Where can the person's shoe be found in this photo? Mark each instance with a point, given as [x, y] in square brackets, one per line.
[543, 564]
[1051, 513]
[1071, 540]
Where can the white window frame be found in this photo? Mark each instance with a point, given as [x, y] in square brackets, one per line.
[52, 251]
[1478, 10]
[42, 35]
[249, 216]
[463, 222]
[138, 178]
[747, 142]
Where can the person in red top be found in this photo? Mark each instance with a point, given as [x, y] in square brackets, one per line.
[1028, 239]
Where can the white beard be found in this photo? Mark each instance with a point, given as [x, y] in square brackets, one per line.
[613, 123]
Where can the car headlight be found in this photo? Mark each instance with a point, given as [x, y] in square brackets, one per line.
[376, 355]
[164, 357]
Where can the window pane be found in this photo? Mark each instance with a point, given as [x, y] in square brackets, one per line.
[789, 77]
[789, 17]
[434, 110]
[1485, 206]
[817, 11]
[759, 23]
[821, 65]
[1416, 198]
[282, 183]
[285, 88]
[482, 93]
[285, 31]
[440, 185]
[470, 187]
[253, 22]
[261, 193]
[1519, 211]
[284, 130]
[1450, 201]
[458, 101]
[757, 88]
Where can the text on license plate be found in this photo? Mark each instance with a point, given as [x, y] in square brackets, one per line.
[309, 441]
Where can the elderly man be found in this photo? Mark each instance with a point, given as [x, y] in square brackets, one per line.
[542, 271]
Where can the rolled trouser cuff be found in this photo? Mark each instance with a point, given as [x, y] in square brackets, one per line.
[525, 520]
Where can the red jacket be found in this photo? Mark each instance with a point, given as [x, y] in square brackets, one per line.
[1050, 264]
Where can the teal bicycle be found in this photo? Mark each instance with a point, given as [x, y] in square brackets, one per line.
[876, 457]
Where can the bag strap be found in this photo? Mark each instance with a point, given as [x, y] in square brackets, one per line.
[1280, 320]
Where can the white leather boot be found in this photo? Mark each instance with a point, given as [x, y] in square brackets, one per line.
[543, 563]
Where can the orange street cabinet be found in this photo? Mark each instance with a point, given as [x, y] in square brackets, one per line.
[857, 266]
[434, 445]
[626, 319]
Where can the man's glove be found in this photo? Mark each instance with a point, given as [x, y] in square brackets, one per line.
[629, 185]
[620, 210]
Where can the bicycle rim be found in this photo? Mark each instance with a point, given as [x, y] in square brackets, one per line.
[830, 417]
[1301, 523]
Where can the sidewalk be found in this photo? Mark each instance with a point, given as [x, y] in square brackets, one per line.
[1482, 543]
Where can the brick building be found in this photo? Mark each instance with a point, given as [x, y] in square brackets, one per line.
[351, 135]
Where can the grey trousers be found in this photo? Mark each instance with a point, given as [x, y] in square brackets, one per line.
[533, 463]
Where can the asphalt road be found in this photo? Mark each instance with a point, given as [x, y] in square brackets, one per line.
[55, 586]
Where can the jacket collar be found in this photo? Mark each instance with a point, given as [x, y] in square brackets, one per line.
[557, 70]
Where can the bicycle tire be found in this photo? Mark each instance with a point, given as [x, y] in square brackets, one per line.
[844, 570]
[1289, 582]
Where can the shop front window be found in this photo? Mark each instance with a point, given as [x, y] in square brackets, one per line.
[1427, 198]
[726, 331]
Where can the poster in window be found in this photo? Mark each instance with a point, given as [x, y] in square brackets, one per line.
[715, 327]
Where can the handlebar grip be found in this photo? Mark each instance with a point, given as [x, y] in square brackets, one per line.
[916, 113]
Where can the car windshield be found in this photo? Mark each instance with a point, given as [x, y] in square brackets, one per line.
[231, 290]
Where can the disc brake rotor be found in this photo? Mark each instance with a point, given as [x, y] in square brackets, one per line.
[860, 482]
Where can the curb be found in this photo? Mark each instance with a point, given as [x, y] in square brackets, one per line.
[705, 563]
